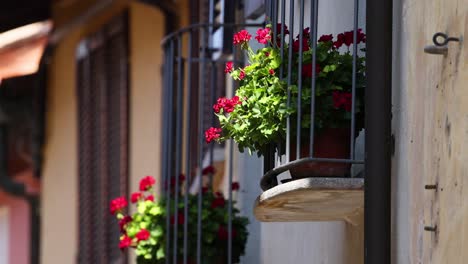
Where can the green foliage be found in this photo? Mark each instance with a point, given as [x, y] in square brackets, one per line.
[152, 216]
[261, 116]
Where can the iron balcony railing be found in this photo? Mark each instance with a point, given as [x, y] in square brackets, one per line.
[298, 15]
[193, 80]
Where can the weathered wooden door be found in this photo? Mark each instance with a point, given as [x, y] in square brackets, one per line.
[430, 123]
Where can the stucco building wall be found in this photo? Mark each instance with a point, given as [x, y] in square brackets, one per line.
[59, 238]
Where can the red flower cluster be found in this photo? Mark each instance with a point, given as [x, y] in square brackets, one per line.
[127, 219]
[212, 133]
[278, 29]
[125, 242]
[135, 197]
[263, 35]
[149, 198]
[242, 74]
[278, 33]
[223, 233]
[307, 69]
[342, 100]
[305, 44]
[271, 71]
[146, 183]
[235, 186]
[208, 170]
[143, 234]
[241, 37]
[347, 38]
[118, 204]
[180, 219]
[218, 202]
[229, 67]
[326, 38]
[226, 104]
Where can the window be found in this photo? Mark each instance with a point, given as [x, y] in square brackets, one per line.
[102, 91]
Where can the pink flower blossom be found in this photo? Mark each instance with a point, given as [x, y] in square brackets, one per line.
[229, 67]
[143, 234]
[149, 198]
[125, 242]
[135, 197]
[241, 37]
[118, 204]
[242, 74]
[212, 133]
[263, 35]
[146, 183]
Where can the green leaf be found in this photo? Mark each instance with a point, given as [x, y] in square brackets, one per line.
[156, 210]
[160, 254]
[141, 208]
[329, 68]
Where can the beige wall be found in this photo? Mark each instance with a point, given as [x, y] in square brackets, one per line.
[431, 130]
[146, 33]
[59, 240]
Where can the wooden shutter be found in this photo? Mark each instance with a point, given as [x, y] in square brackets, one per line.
[103, 98]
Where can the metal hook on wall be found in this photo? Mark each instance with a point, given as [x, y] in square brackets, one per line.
[440, 47]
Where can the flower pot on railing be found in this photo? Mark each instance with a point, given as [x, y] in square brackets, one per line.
[332, 143]
[146, 231]
[281, 83]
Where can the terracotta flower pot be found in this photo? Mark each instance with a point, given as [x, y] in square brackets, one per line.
[329, 143]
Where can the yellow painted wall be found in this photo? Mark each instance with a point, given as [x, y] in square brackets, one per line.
[146, 33]
[59, 238]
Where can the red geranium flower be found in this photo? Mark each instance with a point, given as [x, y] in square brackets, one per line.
[278, 29]
[242, 74]
[208, 170]
[223, 233]
[135, 197]
[127, 219]
[342, 100]
[241, 37]
[212, 133]
[180, 219]
[149, 198]
[305, 33]
[271, 71]
[307, 70]
[326, 38]
[118, 204]
[125, 242]
[263, 35]
[218, 202]
[305, 45]
[229, 67]
[146, 183]
[143, 234]
[235, 186]
[347, 38]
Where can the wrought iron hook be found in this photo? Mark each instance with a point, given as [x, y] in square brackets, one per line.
[445, 38]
